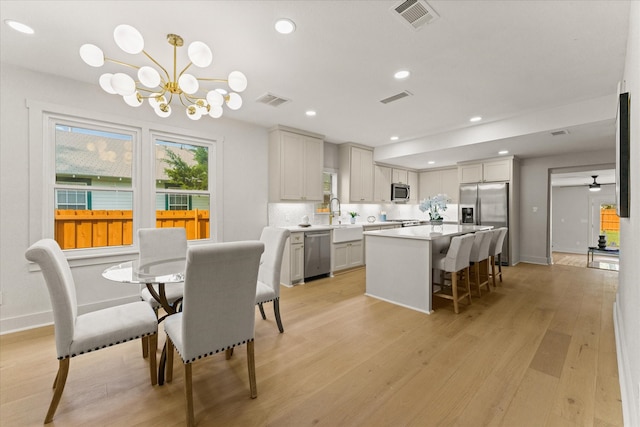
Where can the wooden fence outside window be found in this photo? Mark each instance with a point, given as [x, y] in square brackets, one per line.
[76, 229]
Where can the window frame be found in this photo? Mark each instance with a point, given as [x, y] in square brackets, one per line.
[43, 117]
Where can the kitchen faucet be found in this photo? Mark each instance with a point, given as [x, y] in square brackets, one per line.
[331, 211]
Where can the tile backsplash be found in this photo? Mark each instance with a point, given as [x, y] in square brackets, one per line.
[289, 214]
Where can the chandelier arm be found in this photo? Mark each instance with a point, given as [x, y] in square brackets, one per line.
[115, 61]
[150, 91]
[185, 69]
[182, 100]
[158, 64]
[204, 79]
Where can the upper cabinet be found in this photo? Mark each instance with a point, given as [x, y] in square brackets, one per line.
[414, 187]
[441, 181]
[400, 176]
[295, 165]
[356, 174]
[486, 171]
[382, 184]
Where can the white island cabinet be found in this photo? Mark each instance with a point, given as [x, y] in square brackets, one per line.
[398, 262]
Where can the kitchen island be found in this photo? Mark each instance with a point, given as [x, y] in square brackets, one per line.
[398, 262]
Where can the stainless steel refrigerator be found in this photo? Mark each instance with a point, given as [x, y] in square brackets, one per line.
[486, 204]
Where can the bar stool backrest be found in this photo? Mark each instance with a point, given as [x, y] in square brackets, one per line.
[497, 241]
[480, 249]
[458, 254]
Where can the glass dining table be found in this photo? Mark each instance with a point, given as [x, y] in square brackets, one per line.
[152, 275]
[160, 274]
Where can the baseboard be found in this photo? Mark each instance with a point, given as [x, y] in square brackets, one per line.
[570, 251]
[534, 260]
[629, 408]
[36, 320]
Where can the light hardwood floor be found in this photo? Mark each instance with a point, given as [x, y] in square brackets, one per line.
[538, 351]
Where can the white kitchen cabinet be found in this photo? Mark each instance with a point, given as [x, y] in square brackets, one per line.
[356, 174]
[292, 270]
[382, 182]
[487, 171]
[441, 181]
[346, 255]
[414, 186]
[400, 176]
[450, 185]
[295, 166]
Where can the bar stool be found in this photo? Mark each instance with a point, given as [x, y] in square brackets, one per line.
[495, 250]
[479, 256]
[455, 261]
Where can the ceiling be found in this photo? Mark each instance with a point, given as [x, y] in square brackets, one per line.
[528, 68]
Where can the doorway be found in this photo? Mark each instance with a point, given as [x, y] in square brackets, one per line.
[604, 221]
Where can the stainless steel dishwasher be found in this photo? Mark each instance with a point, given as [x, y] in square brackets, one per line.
[317, 253]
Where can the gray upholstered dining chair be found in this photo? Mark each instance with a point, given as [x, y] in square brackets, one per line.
[78, 334]
[480, 256]
[268, 288]
[218, 310]
[160, 246]
[495, 250]
[454, 262]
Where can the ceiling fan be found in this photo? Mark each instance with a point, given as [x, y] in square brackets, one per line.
[594, 186]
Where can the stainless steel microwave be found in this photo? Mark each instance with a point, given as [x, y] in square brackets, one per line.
[399, 193]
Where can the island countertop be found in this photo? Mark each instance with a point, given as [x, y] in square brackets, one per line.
[428, 232]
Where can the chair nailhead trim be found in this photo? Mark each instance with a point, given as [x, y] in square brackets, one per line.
[213, 352]
[107, 345]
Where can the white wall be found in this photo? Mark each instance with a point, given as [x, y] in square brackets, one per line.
[535, 197]
[570, 217]
[627, 306]
[25, 302]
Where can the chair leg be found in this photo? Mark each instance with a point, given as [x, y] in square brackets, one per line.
[493, 269]
[145, 341]
[145, 347]
[251, 364]
[486, 267]
[500, 266]
[454, 291]
[61, 379]
[467, 282]
[476, 269]
[169, 362]
[264, 316]
[152, 342]
[188, 394]
[276, 311]
[228, 353]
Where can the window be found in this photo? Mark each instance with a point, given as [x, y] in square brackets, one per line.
[95, 183]
[182, 185]
[329, 190]
[100, 160]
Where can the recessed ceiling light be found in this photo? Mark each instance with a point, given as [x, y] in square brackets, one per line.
[19, 26]
[310, 113]
[503, 152]
[402, 74]
[394, 138]
[285, 26]
[475, 119]
[431, 162]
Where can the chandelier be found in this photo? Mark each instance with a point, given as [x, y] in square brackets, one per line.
[595, 186]
[161, 88]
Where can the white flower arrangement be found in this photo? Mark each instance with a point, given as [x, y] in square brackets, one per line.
[434, 205]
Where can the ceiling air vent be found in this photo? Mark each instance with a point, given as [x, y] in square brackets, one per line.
[273, 100]
[415, 13]
[396, 97]
[560, 132]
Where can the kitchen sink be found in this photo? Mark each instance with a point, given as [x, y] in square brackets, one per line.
[346, 233]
